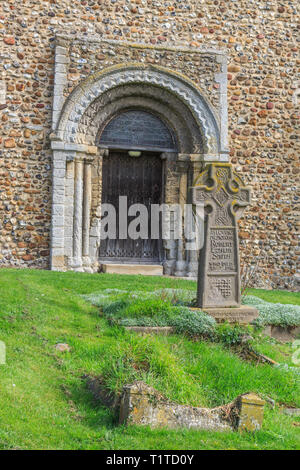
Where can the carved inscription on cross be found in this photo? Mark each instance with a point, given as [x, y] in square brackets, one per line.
[225, 197]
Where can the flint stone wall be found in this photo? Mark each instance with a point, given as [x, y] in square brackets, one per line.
[261, 43]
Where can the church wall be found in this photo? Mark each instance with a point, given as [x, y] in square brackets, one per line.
[260, 41]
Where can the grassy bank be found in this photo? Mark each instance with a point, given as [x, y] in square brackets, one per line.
[44, 402]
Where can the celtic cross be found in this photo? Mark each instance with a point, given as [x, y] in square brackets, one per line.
[224, 197]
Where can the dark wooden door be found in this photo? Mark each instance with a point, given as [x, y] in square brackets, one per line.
[140, 179]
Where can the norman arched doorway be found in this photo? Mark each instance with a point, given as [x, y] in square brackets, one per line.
[133, 172]
[159, 113]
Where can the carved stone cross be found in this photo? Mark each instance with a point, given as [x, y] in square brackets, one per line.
[224, 197]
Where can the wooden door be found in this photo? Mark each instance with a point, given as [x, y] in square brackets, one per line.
[141, 180]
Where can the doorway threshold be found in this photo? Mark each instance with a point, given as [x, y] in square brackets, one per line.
[144, 269]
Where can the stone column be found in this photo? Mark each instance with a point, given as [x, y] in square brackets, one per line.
[77, 220]
[69, 208]
[169, 244]
[67, 203]
[87, 196]
[57, 258]
[180, 268]
[95, 223]
[192, 255]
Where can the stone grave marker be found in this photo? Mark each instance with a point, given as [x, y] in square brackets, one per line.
[225, 197]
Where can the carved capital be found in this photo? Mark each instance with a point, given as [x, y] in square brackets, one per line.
[102, 152]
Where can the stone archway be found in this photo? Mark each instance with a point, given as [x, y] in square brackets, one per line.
[70, 122]
[77, 158]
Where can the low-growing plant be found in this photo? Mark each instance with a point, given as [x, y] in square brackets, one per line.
[285, 315]
[230, 335]
[162, 308]
[128, 310]
[175, 297]
[144, 321]
[194, 323]
[98, 299]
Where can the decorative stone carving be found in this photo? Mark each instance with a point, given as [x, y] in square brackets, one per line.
[225, 198]
[158, 101]
[84, 95]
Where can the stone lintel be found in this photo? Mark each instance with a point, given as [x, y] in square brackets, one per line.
[211, 158]
[221, 54]
[196, 157]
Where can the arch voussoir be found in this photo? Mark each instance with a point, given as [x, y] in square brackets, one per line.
[178, 86]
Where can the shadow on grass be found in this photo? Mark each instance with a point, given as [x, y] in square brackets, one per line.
[91, 411]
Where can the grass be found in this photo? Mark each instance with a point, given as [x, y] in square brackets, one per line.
[276, 296]
[44, 402]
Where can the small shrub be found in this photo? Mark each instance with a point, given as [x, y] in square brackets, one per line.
[230, 335]
[193, 323]
[98, 299]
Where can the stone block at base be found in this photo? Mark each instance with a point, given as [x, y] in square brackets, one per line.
[283, 334]
[251, 412]
[143, 405]
[243, 314]
[145, 269]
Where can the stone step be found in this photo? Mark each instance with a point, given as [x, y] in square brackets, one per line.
[145, 269]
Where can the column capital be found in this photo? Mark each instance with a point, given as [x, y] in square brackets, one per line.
[169, 156]
[58, 144]
[101, 152]
[88, 159]
[183, 157]
[183, 166]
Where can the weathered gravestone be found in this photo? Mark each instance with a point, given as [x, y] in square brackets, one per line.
[225, 197]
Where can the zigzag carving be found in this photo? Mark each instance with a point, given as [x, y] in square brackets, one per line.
[191, 97]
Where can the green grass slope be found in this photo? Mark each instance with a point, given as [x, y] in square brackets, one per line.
[44, 402]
